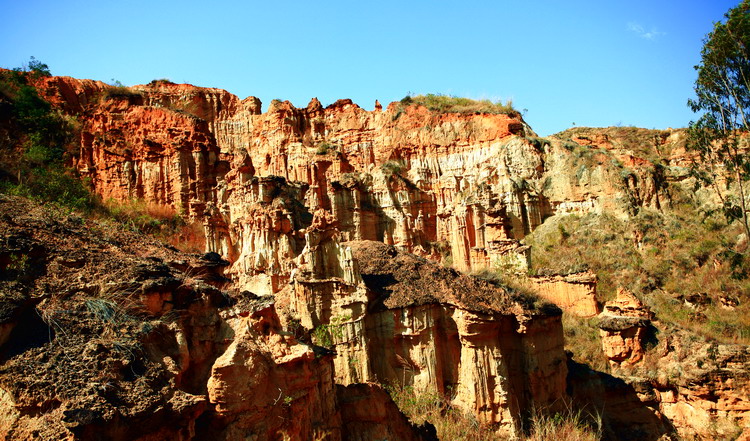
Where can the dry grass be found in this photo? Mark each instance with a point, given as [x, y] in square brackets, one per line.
[517, 285]
[569, 425]
[583, 340]
[454, 425]
[680, 253]
[188, 238]
[713, 322]
[451, 424]
[140, 214]
[453, 104]
[161, 221]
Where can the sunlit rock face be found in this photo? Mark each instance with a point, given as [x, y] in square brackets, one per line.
[574, 293]
[398, 319]
[623, 327]
[699, 386]
[468, 186]
[315, 205]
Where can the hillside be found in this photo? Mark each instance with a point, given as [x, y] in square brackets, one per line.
[408, 246]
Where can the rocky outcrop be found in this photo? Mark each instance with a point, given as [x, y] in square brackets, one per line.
[368, 413]
[266, 385]
[617, 404]
[395, 318]
[447, 186]
[574, 293]
[690, 388]
[112, 335]
[646, 161]
[624, 324]
[700, 388]
[380, 174]
[159, 155]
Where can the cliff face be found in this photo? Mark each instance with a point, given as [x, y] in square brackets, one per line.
[382, 175]
[410, 322]
[574, 293]
[110, 335]
[432, 184]
[318, 206]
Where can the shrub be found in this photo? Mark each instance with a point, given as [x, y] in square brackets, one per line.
[158, 81]
[45, 145]
[392, 167]
[517, 286]
[121, 92]
[324, 148]
[327, 335]
[52, 184]
[538, 143]
[37, 68]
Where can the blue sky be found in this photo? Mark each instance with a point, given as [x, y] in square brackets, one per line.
[588, 63]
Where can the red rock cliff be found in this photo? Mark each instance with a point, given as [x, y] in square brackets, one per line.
[284, 195]
[429, 183]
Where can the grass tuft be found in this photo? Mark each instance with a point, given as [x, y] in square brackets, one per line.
[569, 425]
[451, 423]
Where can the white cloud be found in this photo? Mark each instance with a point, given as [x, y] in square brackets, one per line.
[640, 31]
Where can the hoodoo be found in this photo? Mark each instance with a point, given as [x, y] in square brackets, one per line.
[347, 253]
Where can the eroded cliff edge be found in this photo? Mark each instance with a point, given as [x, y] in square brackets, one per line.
[434, 184]
[286, 196]
[108, 334]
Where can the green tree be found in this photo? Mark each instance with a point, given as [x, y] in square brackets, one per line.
[37, 68]
[723, 99]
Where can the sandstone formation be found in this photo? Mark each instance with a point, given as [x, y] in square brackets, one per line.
[693, 388]
[398, 319]
[467, 186]
[364, 408]
[624, 324]
[315, 211]
[434, 329]
[701, 388]
[110, 335]
[574, 293]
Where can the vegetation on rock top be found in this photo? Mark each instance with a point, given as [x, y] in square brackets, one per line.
[38, 165]
[453, 104]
